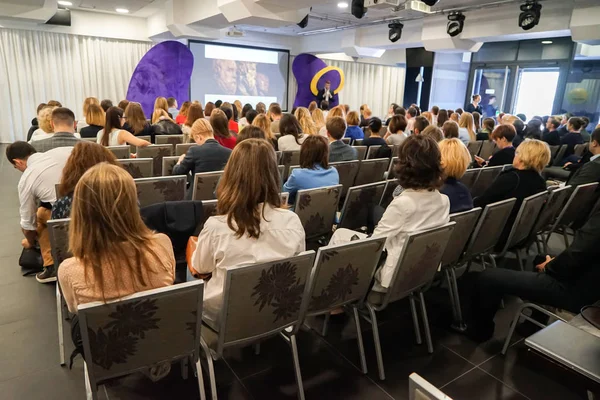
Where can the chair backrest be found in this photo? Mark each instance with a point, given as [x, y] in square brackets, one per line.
[372, 152]
[371, 171]
[488, 148]
[281, 170]
[182, 148]
[289, 158]
[556, 201]
[279, 155]
[418, 262]
[580, 149]
[391, 174]
[284, 196]
[470, 177]
[343, 274]
[475, 147]
[205, 185]
[580, 203]
[121, 152]
[138, 167]
[489, 227]
[465, 224]
[173, 140]
[253, 308]
[553, 152]
[347, 170]
[317, 209]
[558, 160]
[160, 189]
[359, 203]
[209, 209]
[126, 335]
[168, 163]
[388, 192]
[58, 231]
[89, 139]
[133, 149]
[526, 219]
[361, 151]
[420, 389]
[157, 153]
[346, 140]
[357, 142]
[486, 177]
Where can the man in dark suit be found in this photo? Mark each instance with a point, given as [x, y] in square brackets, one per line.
[326, 94]
[551, 136]
[338, 150]
[63, 124]
[590, 171]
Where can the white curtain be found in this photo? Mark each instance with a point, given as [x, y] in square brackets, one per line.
[375, 85]
[39, 66]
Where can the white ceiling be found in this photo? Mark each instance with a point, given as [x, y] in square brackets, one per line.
[137, 8]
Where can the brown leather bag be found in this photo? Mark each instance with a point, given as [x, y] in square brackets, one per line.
[189, 252]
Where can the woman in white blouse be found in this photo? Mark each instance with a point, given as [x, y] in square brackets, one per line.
[419, 206]
[291, 134]
[116, 135]
[251, 225]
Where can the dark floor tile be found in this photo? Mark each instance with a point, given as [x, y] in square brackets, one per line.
[27, 298]
[519, 371]
[54, 383]
[476, 384]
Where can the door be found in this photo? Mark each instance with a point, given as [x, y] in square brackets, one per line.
[535, 91]
[491, 84]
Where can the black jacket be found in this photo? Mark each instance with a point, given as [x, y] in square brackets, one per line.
[571, 139]
[552, 138]
[471, 108]
[34, 127]
[459, 195]
[502, 157]
[147, 131]
[166, 127]
[90, 131]
[589, 172]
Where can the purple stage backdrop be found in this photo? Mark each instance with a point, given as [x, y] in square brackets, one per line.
[305, 68]
[164, 71]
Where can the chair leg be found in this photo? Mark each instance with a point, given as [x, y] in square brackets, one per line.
[91, 394]
[492, 261]
[297, 367]
[566, 238]
[200, 380]
[425, 323]
[61, 335]
[413, 311]
[377, 342]
[211, 369]
[184, 368]
[520, 259]
[458, 322]
[325, 325]
[450, 292]
[359, 338]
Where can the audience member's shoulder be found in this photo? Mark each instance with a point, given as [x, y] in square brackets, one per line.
[286, 218]
[67, 268]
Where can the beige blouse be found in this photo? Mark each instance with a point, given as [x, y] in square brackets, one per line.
[79, 290]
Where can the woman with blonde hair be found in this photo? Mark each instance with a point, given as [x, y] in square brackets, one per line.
[182, 115]
[334, 112]
[161, 104]
[135, 120]
[81, 123]
[428, 116]
[114, 253]
[455, 161]
[455, 117]
[318, 118]
[95, 119]
[306, 122]
[365, 115]
[353, 131]
[250, 227]
[466, 128]
[263, 123]
[114, 135]
[312, 106]
[193, 114]
[238, 106]
[45, 130]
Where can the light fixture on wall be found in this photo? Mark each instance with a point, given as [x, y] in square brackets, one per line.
[456, 23]
[395, 31]
[122, 10]
[530, 14]
[65, 3]
[343, 4]
[358, 8]
[546, 41]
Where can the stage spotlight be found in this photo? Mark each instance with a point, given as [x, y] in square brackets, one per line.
[358, 8]
[530, 15]
[456, 23]
[302, 24]
[430, 3]
[395, 31]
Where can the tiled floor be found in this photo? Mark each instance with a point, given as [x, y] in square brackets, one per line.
[29, 364]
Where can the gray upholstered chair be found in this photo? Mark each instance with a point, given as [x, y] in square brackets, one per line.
[342, 277]
[346, 140]
[58, 231]
[157, 153]
[173, 140]
[420, 389]
[138, 167]
[388, 192]
[205, 185]
[390, 172]
[465, 224]
[557, 199]
[209, 209]
[558, 160]
[361, 151]
[166, 328]
[371, 171]
[284, 197]
[475, 147]
[372, 152]
[486, 177]
[168, 163]
[121, 152]
[317, 209]
[158, 190]
[133, 149]
[90, 139]
[359, 204]
[488, 149]
[416, 267]
[182, 148]
[347, 171]
[553, 152]
[357, 142]
[254, 310]
[289, 158]
[281, 170]
[279, 156]
[470, 177]
[580, 149]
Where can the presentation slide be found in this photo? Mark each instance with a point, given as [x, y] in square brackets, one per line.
[229, 73]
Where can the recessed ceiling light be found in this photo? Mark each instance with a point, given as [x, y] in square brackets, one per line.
[122, 10]
[343, 4]
[65, 3]
[546, 41]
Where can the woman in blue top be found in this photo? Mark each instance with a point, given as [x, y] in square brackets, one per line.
[353, 131]
[314, 171]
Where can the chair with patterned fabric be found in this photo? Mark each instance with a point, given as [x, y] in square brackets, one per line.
[357, 142]
[136, 333]
[416, 267]
[361, 151]
[358, 207]
[342, 277]
[488, 149]
[486, 177]
[346, 140]
[157, 153]
[158, 190]
[182, 148]
[420, 389]
[121, 152]
[133, 149]
[347, 170]
[173, 140]
[281, 170]
[253, 309]
[557, 199]
[168, 163]
[289, 158]
[371, 171]
[475, 147]
[317, 209]
[388, 192]
[205, 185]
[209, 209]
[58, 231]
[372, 152]
[138, 167]
[279, 155]
[470, 177]
[91, 139]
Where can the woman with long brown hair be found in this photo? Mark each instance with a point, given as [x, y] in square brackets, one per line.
[114, 135]
[466, 128]
[251, 225]
[114, 253]
[210, 106]
[291, 134]
[135, 120]
[220, 125]
[161, 103]
[442, 118]
[194, 113]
